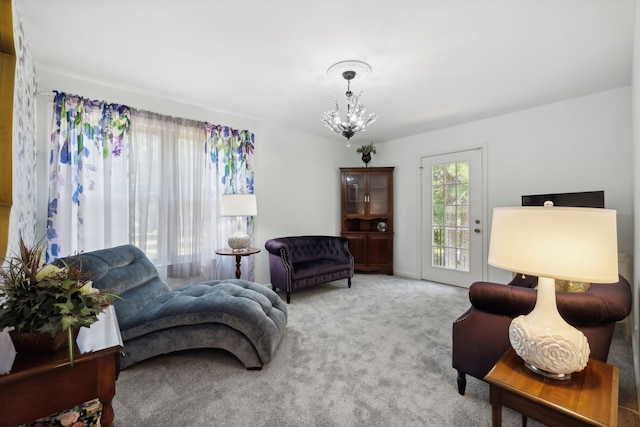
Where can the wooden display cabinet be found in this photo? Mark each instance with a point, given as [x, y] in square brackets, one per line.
[367, 216]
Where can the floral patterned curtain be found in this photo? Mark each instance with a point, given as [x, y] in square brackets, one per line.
[231, 152]
[231, 159]
[88, 194]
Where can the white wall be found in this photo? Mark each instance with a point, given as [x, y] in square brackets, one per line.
[583, 144]
[296, 174]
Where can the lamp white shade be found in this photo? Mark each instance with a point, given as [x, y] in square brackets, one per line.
[559, 242]
[238, 205]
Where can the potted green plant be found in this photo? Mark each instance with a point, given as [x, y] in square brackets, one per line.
[46, 304]
[366, 151]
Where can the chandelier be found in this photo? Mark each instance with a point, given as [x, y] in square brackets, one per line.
[355, 121]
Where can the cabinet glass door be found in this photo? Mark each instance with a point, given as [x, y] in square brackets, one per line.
[378, 194]
[354, 194]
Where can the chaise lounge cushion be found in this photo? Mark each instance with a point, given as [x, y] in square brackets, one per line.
[245, 318]
[234, 303]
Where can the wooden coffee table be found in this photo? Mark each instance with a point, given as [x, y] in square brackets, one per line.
[589, 398]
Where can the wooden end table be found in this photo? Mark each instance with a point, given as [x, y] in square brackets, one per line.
[238, 254]
[37, 385]
[589, 398]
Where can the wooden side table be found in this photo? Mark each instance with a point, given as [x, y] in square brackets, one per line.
[37, 385]
[589, 398]
[238, 254]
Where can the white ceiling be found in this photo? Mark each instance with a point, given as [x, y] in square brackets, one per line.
[436, 63]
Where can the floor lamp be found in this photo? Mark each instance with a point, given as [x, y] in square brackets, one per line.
[578, 244]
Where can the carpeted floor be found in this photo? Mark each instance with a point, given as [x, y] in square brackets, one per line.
[378, 354]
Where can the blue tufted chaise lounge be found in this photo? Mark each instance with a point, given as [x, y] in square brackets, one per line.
[246, 319]
[300, 261]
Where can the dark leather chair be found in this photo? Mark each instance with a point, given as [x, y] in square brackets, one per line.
[481, 334]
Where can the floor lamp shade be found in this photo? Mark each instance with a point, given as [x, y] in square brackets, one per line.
[238, 205]
[578, 244]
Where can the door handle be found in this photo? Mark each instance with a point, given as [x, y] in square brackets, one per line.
[477, 230]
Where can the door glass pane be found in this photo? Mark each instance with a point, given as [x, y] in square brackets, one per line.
[438, 247]
[450, 220]
[378, 194]
[450, 195]
[462, 194]
[449, 215]
[437, 175]
[438, 195]
[462, 217]
[450, 174]
[354, 194]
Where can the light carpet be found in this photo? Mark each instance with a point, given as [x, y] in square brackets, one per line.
[378, 354]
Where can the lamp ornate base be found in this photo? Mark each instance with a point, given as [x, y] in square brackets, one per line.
[553, 354]
[545, 341]
[239, 241]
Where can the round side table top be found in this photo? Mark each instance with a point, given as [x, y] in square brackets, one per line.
[241, 252]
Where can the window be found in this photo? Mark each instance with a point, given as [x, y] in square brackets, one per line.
[450, 223]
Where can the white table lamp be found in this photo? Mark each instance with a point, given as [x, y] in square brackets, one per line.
[578, 244]
[238, 205]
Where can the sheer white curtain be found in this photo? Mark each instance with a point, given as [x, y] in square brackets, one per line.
[88, 169]
[172, 199]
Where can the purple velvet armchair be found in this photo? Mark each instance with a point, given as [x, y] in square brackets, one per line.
[481, 334]
[301, 261]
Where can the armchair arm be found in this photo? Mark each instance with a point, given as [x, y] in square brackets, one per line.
[280, 263]
[274, 246]
[497, 298]
[344, 254]
[603, 303]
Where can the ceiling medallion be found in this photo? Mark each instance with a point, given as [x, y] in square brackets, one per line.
[355, 121]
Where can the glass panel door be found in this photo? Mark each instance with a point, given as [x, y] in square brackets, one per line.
[450, 220]
[378, 194]
[354, 194]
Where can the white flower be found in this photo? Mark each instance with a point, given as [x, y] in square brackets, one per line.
[49, 270]
[87, 288]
